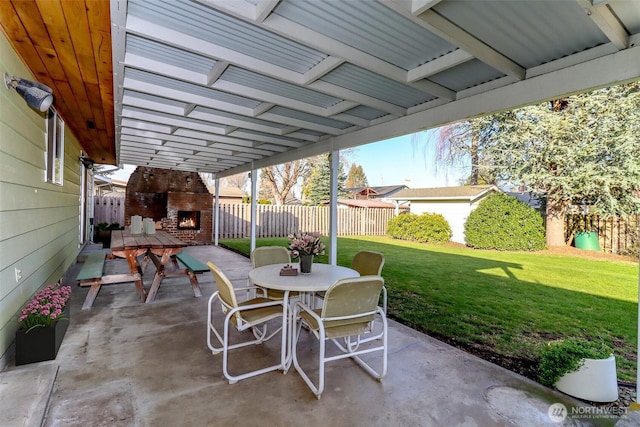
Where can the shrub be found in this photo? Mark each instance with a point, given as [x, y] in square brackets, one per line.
[565, 356]
[102, 226]
[397, 227]
[425, 228]
[503, 222]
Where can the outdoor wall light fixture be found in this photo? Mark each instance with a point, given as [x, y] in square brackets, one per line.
[37, 95]
[87, 162]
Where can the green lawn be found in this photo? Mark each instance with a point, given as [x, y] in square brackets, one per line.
[504, 306]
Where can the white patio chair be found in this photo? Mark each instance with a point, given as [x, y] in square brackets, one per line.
[250, 314]
[368, 263]
[267, 255]
[345, 318]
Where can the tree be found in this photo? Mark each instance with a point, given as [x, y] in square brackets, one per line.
[317, 188]
[236, 181]
[467, 140]
[265, 189]
[582, 150]
[280, 179]
[356, 177]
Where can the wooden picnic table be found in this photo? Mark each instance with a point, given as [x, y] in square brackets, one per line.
[158, 247]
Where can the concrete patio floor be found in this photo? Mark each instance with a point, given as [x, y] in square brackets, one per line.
[124, 363]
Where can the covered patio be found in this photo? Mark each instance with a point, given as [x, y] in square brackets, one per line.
[227, 87]
[124, 363]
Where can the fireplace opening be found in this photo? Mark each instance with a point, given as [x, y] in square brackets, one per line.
[188, 220]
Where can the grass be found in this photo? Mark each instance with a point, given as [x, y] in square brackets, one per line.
[504, 306]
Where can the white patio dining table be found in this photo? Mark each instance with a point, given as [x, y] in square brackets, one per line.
[322, 276]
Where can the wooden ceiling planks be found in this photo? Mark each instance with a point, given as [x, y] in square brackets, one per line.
[100, 27]
[17, 35]
[67, 45]
[60, 37]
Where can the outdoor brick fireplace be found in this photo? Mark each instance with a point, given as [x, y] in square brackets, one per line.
[179, 202]
[188, 220]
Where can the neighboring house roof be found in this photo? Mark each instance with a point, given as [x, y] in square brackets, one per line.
[466, 192]
[362, 203]
[228, 192]
[377, 192]
[114, 185]
[231, 192]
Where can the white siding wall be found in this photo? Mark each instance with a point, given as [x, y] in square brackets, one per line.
[39, 222]
[455, 212]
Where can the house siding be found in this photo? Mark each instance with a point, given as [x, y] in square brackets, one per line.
[39, 221]
[455, 212]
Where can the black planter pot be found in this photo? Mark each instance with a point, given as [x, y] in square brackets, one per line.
[306, 261]
[41, 344]
[104, 237]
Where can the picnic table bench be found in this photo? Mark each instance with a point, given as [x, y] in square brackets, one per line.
[161, 248]
[92, 274]
[193, 267]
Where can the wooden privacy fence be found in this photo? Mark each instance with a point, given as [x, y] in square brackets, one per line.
[272, 221]
[108, 209]
[615, 234]
[278, 221]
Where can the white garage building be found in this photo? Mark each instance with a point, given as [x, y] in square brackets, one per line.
[454, 203]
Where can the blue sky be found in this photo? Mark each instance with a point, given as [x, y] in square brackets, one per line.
[408, 160]
[405, 160]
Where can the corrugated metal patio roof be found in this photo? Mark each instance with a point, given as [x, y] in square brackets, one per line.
[223, 86]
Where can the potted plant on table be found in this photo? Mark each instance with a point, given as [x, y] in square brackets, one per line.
[305, 246]
[580, 368]
[43, 323]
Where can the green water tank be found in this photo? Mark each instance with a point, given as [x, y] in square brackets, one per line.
[587, 240]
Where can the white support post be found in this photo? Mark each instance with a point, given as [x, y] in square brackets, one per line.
[333, 208]
[254, 203]
[216, 213]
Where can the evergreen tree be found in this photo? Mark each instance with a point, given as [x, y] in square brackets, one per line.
[317, 189]
[356, 177]
[581, 150]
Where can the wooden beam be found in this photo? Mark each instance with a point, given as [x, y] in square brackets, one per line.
[264, 9]
[438, 65]
[608, 23]
[616, 68]
[458, 37]
[419, 6]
